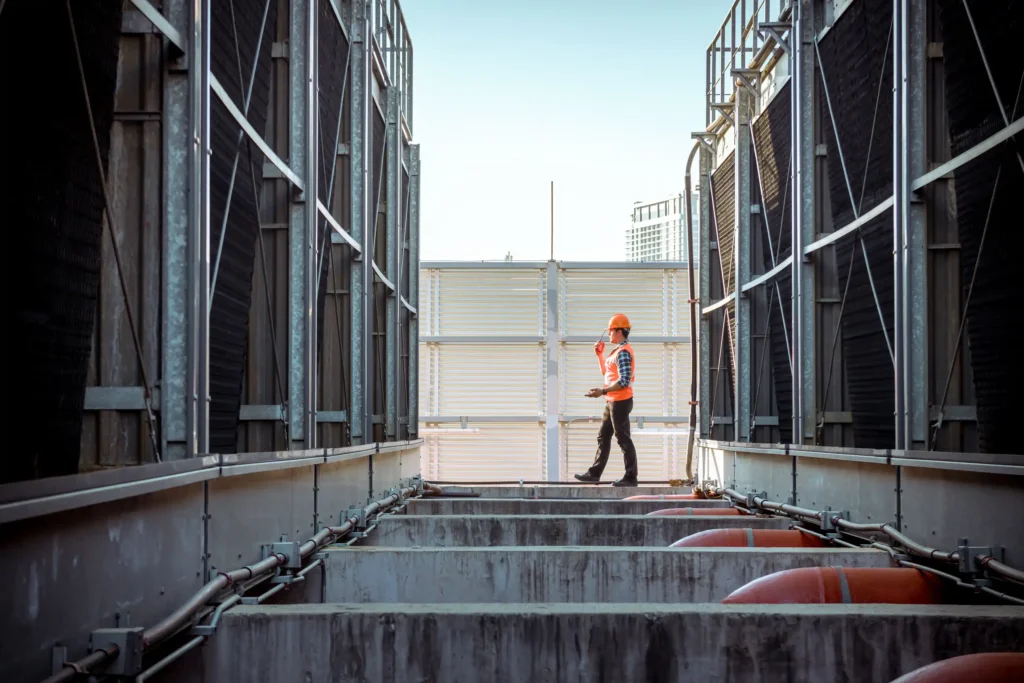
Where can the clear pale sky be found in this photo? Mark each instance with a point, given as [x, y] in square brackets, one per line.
[598, 96]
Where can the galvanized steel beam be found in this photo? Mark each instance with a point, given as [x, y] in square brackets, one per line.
[552, 385]
[392, 165]
[414, 287]
[704, 409]
[741, 246]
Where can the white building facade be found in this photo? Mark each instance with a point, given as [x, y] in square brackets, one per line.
[657, 230]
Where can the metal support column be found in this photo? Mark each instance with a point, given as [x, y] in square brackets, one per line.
[362, 277]
[392, 343]
[198, 387]
[913, 91]
[901, 210]
[177, 383]
[742, 420]
[553, 348]
[302, 225]
[802, 89]
[705, 164]
[414, 288]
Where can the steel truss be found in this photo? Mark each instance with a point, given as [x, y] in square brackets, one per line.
[350, 380]
[743, 57]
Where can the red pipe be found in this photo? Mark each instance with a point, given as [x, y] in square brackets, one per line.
[831, 585]
[749, 538]
[990, 667]
[696, 512]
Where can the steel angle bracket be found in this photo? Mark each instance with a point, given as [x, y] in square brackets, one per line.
[774, 30]
[725, 111]
[828, 517]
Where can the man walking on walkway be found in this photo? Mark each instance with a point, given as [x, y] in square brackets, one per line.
[619, 373]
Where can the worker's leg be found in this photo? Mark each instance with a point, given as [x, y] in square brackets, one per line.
[604, 443]
[620, 423]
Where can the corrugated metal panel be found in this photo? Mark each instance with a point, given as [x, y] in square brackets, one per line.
[659, 456]
[497, 451]
[663, 372]
[476, 302]
[491, 379]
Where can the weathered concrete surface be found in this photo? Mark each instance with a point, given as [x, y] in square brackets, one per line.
[585, 643]
[521, 506]
[551, 530]
[605, 491]
[565, 574]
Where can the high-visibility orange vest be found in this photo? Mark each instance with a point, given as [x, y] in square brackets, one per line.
[611, 373]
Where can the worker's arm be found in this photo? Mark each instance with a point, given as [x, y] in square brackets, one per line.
[599, 350]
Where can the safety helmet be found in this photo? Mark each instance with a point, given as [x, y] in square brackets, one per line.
[618, 321]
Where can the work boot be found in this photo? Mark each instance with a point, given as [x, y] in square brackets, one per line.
[587, 478]
[624, 482]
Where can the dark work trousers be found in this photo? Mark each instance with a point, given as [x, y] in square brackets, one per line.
[615, 421]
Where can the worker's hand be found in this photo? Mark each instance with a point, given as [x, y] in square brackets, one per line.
[594, 393]
[599, 348]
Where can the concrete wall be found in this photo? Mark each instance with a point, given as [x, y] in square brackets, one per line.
[494, 530]
[565, 574]
[518, 506]
[586, 643]
[570, 491]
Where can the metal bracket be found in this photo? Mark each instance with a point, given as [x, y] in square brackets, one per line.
[828, 526]
[774, 30]
[725, 110]
[749, 79]
[359, 514]
[971, 556]
[751, 495]
[290, 549]
[129, 649]
[706, 140]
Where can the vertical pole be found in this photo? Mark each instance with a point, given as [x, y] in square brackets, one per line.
[393, 180]
[802, 89]
[704, 291]
[177, 384]
[900, 212]
[198, 414]
[741, 244]
[552, 347]
[915, 235]
[302, 222]
[414, 288]
[359, 80]
[552, 220]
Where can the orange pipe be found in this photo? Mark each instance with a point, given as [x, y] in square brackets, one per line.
[749, 538]
[665, 496]
[831, 585]
[691, 512]
[990, 667]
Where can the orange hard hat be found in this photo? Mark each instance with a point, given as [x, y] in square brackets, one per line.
[618, 321]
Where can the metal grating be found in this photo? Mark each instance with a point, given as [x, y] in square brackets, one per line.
[858, 73]
[487, 302]
[490, 379]
[53, 205]
[991, 185]
[655, 301]
[659, 456]
[499, 451]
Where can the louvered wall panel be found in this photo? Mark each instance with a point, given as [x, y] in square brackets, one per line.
[593, 296]
[491, 379]
[657, 454]
[499, 451]
[663, 372]
[490, 302]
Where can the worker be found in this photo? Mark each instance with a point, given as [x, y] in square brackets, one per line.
[619, 374]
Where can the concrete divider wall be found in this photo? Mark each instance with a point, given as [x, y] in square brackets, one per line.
[565, 574]
[570, 491]
[552, 530]
[520, 506]
[544, 643]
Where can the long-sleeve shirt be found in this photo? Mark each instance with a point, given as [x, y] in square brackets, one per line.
[625, 363]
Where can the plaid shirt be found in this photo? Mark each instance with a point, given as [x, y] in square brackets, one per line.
[625, 363]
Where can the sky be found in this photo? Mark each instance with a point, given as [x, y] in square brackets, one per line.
[598, 96]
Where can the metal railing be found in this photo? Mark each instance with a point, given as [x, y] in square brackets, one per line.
[391, 36]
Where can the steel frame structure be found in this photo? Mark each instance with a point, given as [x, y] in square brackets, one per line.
[759, 48]
[378, 396]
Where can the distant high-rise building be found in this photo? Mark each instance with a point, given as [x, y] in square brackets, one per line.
[657, 230]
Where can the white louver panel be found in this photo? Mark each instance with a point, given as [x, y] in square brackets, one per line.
[659, 456]
[497, 452]
[656, 391]
[489, 302]
[592, 296]
[490, 379]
